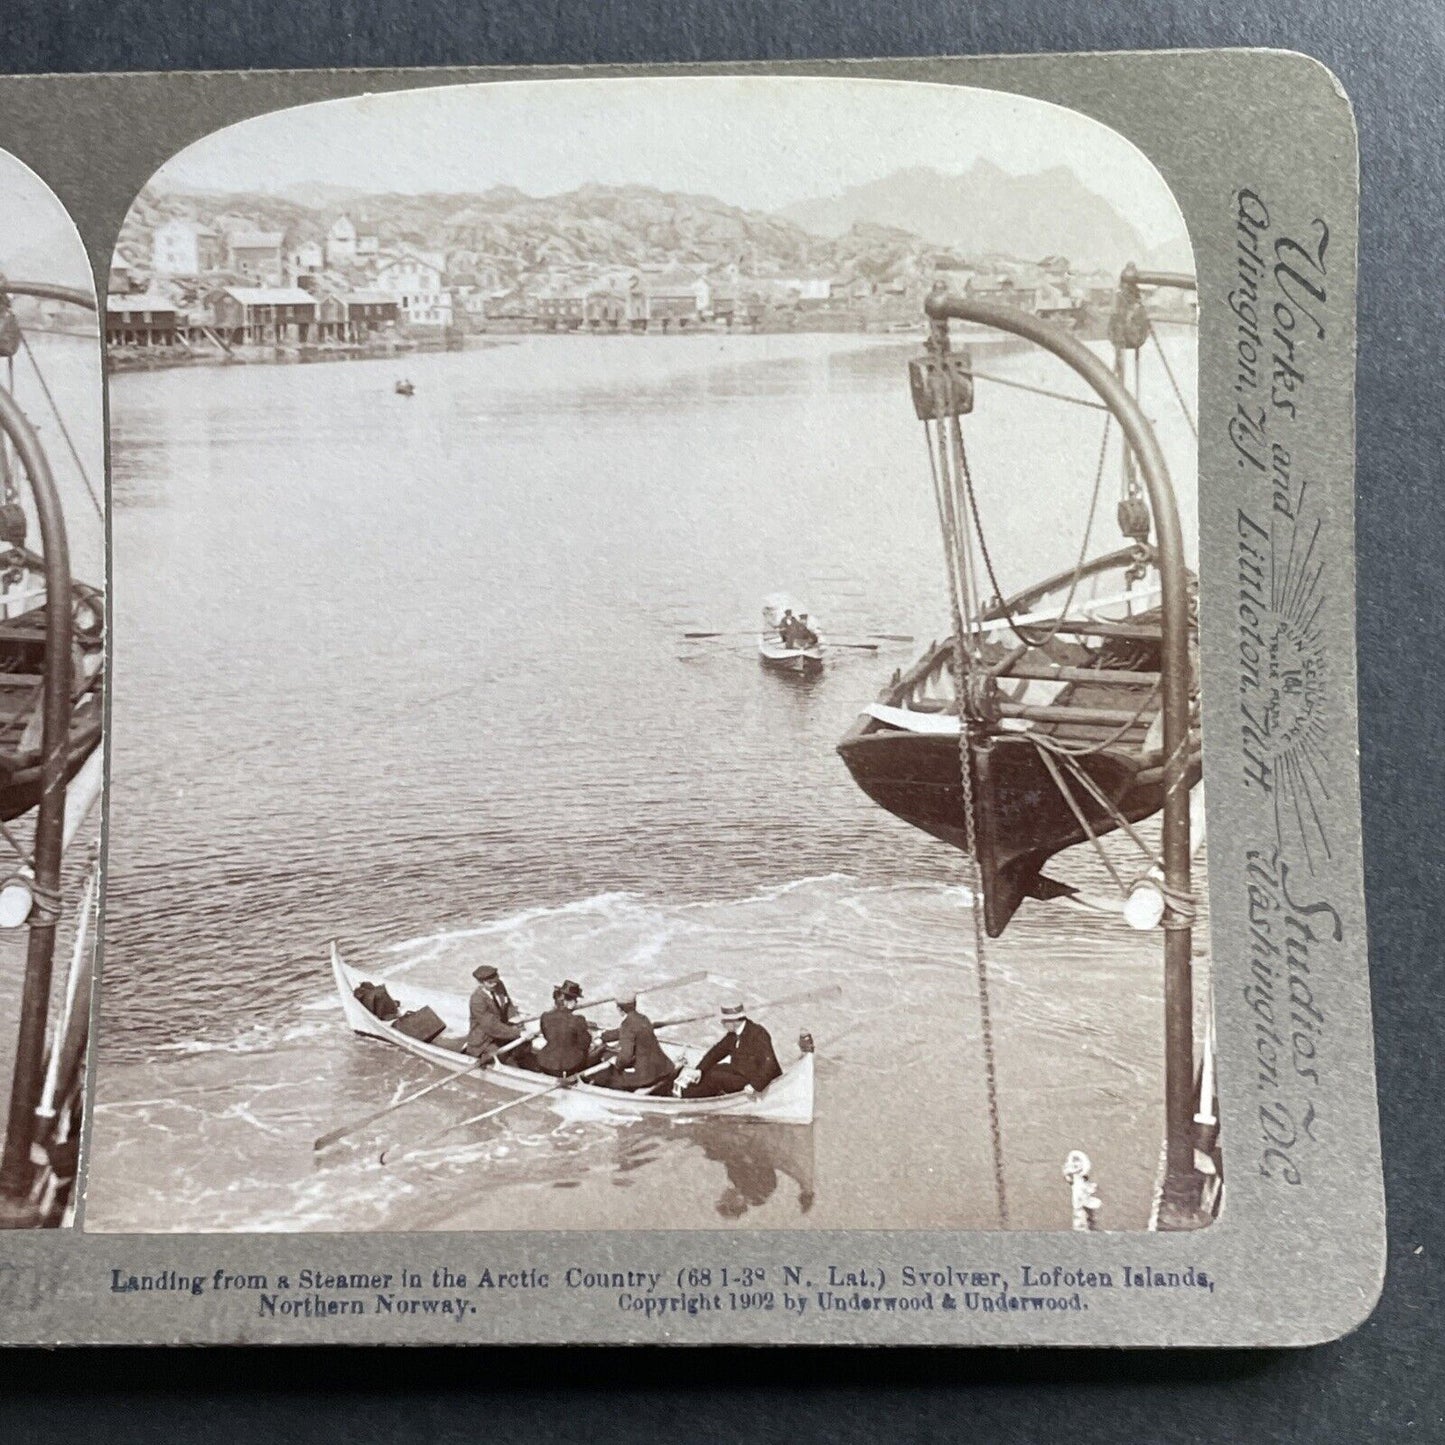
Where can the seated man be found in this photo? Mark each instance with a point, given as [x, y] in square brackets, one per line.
[803, 634]
[566, 1041]
[640, 1062]
[742, 1059]
[490, 1014]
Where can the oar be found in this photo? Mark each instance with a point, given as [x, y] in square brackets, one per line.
[660, 987]
[327, 1140]
[893, 636]
[854, 646]
[563, 1083]
[832, 990]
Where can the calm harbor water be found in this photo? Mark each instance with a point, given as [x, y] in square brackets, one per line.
[410, 673]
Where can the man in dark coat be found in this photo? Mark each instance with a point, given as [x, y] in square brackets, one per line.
[566, 1039]
[491, 1015]
[742, 1059]
[639, 1062]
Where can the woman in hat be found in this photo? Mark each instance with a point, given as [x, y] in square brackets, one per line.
[566, 1042]
[742, 1059]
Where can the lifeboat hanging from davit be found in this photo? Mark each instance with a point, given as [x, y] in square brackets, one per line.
[52, 678]
[1070, 709]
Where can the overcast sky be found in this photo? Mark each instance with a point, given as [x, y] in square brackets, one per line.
[757, 142]
[38, 242]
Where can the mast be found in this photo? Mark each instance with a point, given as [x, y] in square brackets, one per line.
[1180, 1205]
[17, 1169]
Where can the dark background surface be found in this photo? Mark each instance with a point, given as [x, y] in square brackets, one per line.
[1381, 1384]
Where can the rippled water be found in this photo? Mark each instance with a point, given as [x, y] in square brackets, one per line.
[410, 673]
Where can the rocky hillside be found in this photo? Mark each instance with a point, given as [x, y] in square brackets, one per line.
[607, 225]
[515, 233]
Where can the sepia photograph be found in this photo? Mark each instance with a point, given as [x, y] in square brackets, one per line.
[657, 679]
[52, 681]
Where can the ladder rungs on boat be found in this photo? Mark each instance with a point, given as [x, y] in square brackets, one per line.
[1088, 627]
[1054, 672]
[1063, 713]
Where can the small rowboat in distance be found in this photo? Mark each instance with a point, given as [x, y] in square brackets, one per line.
[787, 1100]
[777, 652]
[789, 659]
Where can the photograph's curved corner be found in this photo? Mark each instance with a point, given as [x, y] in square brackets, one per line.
[1350, 1308]
[1318, 81]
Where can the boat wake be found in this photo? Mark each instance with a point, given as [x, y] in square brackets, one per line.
[215, 1134]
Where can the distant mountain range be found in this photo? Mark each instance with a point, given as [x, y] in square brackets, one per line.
[986, 211]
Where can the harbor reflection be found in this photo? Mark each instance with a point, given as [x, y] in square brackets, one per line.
[755, 1157]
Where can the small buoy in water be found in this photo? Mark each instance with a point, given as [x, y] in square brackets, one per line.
[404, 388]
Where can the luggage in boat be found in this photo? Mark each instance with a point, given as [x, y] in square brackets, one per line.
[375, 998]
[422, 1023]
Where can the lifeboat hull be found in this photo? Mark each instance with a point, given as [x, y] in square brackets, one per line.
[1021, 817]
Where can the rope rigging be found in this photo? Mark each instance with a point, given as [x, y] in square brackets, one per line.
[1173, 381]
[950, 503]
[945, 389]
[1037, 640]
[1152, 728]
[64, 430]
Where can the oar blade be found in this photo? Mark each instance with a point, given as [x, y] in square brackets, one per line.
[336, 1135]
[563, 1083]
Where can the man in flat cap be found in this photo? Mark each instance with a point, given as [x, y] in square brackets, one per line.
[491, 1014]
[566, 1041]
[639, 1062]
[742, 1059]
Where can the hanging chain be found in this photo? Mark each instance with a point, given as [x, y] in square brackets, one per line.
[952, 498]
[985, 1005]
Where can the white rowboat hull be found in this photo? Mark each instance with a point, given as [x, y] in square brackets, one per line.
[787, 1100]
[800, 659]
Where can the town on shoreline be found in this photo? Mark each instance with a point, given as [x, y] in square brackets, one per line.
[203, 278]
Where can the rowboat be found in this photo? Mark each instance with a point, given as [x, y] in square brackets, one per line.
[773, 651]
[787, 1100]
[1067, 747]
